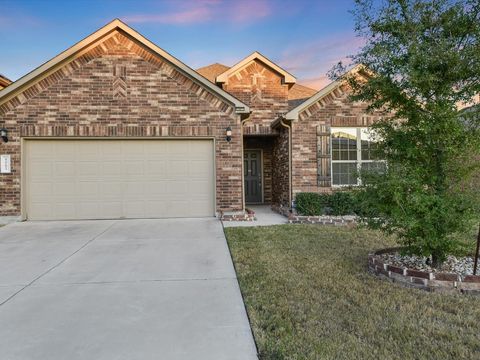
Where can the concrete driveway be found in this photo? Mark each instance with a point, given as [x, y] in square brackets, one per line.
[127, 289]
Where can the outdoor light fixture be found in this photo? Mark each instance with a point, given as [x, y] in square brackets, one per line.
[229, 134]
[4, 135]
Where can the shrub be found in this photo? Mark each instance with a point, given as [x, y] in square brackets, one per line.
[338, 203]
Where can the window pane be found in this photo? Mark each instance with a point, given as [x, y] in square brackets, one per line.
[344, 144]
[369, 147]
[344, 173]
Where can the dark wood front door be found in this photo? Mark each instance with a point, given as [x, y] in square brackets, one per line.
[253, 176]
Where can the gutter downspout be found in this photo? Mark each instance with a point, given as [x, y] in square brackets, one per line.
[290, 190]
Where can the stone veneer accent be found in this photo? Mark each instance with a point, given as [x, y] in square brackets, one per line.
[119, 88]
[429, 281]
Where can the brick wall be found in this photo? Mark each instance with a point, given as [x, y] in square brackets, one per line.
[261, 88]
[332, 111]
[119, 89]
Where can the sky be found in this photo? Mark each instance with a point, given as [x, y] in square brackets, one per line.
[305, 37]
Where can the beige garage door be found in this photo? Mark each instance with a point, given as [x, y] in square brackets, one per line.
[110, 179]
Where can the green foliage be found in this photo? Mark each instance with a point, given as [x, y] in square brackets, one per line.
[423, 59]
[337, 203]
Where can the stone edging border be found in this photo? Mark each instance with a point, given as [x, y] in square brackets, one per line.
[247, 215]
[347, 220]
[429, 281]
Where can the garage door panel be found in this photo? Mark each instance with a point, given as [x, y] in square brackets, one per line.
[64, 168]
[135, 167]
[199, 188]
[135, 209]
[87, 168]
[177, 208]
[87, 189]
[41, 191]
[157, 209]
[64, 210]
[112, 209]
[42, 150]
[177, 169]
[133, 190]
[178, 149]
[63, 189]
[41, 169]
[112, 168]
[110, 189]
[103, 179]
[156, 167]
[199, 169]
[175, 188]
[110, 150]
[64, 152]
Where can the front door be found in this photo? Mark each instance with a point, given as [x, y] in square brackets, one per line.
[253, 176]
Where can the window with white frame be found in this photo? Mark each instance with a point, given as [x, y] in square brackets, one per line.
[353, 151]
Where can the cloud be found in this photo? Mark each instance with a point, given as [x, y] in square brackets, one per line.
[202, 11]
[311, 60]
[316, 83]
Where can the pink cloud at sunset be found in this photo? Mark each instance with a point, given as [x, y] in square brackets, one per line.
[202, 11]
[318, 57]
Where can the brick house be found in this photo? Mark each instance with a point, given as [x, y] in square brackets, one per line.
[115, 127]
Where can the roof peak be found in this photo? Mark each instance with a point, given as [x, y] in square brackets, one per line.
[102, 33]
[256, 55]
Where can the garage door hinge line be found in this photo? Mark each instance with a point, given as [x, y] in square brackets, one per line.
[58, 264]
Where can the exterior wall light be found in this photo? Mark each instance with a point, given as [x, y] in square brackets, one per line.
[229, 134]
[4, 135]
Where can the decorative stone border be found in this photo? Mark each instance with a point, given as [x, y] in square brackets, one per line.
[347, 220]
[247, 215]
[424, 280]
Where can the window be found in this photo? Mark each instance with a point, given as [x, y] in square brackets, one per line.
[353, 151]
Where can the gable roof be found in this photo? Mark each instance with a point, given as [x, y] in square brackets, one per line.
[293, 114]
[4, 81]
[66, 56]
[296, 94]
[212, 71]
[287, 77]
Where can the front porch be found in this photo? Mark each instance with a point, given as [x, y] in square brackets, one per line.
[265, 169]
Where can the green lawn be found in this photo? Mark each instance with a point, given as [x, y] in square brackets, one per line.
[309, 297]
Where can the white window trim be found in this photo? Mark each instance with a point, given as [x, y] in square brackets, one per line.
[359, 160]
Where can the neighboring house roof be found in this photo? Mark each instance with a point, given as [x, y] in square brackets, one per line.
[287, 77]
[4, 81]
[212, 71]
[60, 60]
[293, 114]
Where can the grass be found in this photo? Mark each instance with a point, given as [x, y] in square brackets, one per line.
[308, 296]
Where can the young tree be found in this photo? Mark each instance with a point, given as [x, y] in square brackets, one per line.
[423, 58]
